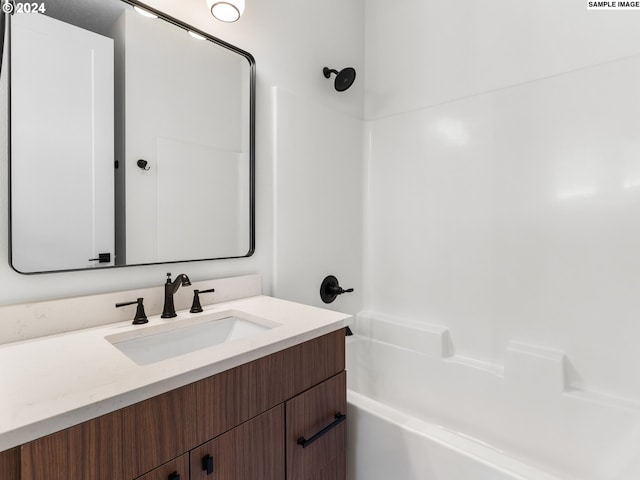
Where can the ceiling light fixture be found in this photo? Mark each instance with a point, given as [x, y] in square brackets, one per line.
[226, 10]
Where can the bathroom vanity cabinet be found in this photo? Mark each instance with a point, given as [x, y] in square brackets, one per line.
[245, 423]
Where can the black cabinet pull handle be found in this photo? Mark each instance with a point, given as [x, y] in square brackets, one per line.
[174, 476]
[207, 464]
[304, 443]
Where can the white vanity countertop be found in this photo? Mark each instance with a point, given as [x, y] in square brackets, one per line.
[50, 383]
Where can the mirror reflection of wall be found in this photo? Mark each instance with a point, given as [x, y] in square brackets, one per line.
[183, 117]
[183, 105]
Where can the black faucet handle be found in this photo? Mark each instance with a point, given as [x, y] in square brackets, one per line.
[168, 277]
[195, 306]
[140, 316]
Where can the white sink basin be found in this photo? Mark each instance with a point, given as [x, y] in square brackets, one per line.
[179, 337]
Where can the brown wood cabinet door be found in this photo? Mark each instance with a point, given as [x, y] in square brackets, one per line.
[177, 469]
[316, 432]
[10, 464]
[251, 451]
[89, 451]
[158, 430]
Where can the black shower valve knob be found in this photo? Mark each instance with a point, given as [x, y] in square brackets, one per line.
[331, 288]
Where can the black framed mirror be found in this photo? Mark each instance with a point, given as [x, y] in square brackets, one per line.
[132, 139]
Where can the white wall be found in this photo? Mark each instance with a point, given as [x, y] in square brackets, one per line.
[319, 195]
[317, 134]
[291, 42]
[503, 164]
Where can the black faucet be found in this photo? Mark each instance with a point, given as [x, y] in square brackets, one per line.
[170, 288]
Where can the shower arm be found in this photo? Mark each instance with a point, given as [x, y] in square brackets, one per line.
[328, 71]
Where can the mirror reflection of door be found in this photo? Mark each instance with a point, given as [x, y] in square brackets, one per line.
[61, 145]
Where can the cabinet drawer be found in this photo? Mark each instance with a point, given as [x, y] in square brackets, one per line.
[177, 469]
[232, 397]
[253, 450]
[316, 432]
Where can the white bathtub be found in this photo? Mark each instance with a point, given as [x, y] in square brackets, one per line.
[385, 444]
[414, 415]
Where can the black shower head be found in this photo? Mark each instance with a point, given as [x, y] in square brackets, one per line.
[344, 78]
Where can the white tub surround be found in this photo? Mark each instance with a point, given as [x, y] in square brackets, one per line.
[50, 383]
[529, 408]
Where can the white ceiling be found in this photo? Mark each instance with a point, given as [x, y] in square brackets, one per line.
[94, 15]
